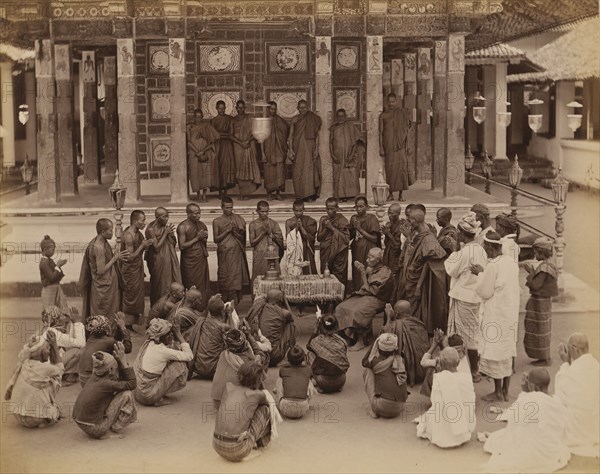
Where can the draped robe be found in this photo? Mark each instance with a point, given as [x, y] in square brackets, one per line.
[347, 157]
[132, 270]
[260, 264]
[232, 270]
[413, 343]
[276, 150]
[224, 150]
[246, 167]
[308, 242]
[194, 259]
[162, 263]
[206, 342]
[203, 169]
[307, 163]
[334, 247]
[360, 246]
[391, 253]
[400, 174]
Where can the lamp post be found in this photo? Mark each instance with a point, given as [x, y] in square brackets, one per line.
[515, 173]
[117, 196]
[560, 187]
[27, 174]
[486, 169]
[380, 193]
[469, 161]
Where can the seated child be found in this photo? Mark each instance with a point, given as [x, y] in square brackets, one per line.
[293, 388]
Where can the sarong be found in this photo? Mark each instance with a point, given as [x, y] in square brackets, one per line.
[33, 421]
[330, 383]
[121, 411]
[152, 387]
[538, 327]
[496, 369]
[70, 359]
[381, 406]
[258, 434]
[53, 295]
[463, 319]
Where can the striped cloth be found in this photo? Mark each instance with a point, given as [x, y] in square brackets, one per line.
[121, 411]
[538, 327]
[303, 288]
[235, 448]
[463, 319]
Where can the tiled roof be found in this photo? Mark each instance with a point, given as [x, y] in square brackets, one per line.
[496, 51]
[572, 56]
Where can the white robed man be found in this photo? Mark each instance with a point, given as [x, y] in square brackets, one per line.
[576, 386]
[534, 439]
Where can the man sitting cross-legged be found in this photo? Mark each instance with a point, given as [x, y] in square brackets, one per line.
[355, 314]
[165, 303]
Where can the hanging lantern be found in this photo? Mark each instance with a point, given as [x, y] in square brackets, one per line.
[261, 126]
[117, 193]
[23, 113]
[515, 173]
[380, 190]
[479, 114]
[574, 120]
[504, 119]
[560, 187]
[535, 122]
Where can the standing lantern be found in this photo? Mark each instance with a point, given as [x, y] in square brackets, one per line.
[486, 168]
[117, 196]
[560, 187]
[515, 173]
[380, 194]
[469, 161]
[27, 174]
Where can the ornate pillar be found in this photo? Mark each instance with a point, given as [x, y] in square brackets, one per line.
[127, 129]
[374, 108]
[439, 114]
[91, 167]
[323, 108]
[490, 93]
[47, 156]
[179, 181]
[110, 114]
[8, 115]
[454, 180]
[501, 99]
[387, 78]
[64, 111]
[410, 103]
[424, 74]
[398, 78]
[471, 88]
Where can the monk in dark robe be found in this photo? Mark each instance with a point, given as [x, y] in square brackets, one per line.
[393, 132]
[423, 276]
[99, 277]
[355, 314]
[448, 235]
[203, 168]
[187, 312]
[247, 173]
[364, 234]
[334, 237]
[304, 152]
[263, 232]
[276, 323]
[229, 232]
[161, 255]
[206, 339]
[275, 149]
[413, 340]
[393, 239]
[165, 304]
[347, 148]
[223, 124]
[192, 235]
[132, 269]
[306, 226]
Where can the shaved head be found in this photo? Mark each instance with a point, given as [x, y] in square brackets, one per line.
[580, 342]
[445, 213]
[177, 287]
[396, 207]
[194, 294]
[376, 253]
[418, 215]
[540, 377]
[402, 308]
[274, 296]
[160, 211]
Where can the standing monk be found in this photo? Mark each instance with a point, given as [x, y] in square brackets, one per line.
[247, 173]
[132, 269]
[393, 131]
[347, 148]
[365, 235]
[276, 150]
[99, 280]
[202, 139]
[263, 231]
[334, 237]
[192, 235]
[223, 124]
[304, 152]
[229, 232]
[306, 228]
[161, 255]
[393, 239]
[448, 235]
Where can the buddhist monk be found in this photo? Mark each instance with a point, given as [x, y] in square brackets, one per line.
[305, 227]
[448, 234]
[393, 239]
[161, 255]
[364, 235]
[247, 173]
[334, 237]
[164, 305]
[347, 148]
[202, 140]
[264, 232]
[192, 234]
[275, 149]
[187, 312]
[222, 123]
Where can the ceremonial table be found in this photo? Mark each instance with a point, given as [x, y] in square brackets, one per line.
[308, 289]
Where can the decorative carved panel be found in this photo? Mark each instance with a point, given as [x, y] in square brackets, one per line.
[208, 102]
[350, 7]
[323, 55]
[160, 153]
[417, 7]
[291, 58]
[220, 58]
[287, 100]
[158, 59]
[417, 25]
[349, 25]
[348, 98]
[376, 25]
[374, 55]
[347, 56]
[160, 106]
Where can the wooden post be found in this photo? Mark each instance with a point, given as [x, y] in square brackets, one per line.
[110, 115]
[323, 108]
[374, 108]
[91, 165]
[439, 114]
[424, 75]
[410, 103]
[179, 181]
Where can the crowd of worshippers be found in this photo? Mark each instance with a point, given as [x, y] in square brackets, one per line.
[449, 301]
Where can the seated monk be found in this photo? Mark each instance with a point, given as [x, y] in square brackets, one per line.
[244, 420]
[413, 340]
[206, 339]
[34, 385]
[355, 314]
[187, 312]
[237, 352]
[159, 368]
[535, 442]
[385, 377]
[106, 402]
[165, 303]
[328, 356]
[276, 323]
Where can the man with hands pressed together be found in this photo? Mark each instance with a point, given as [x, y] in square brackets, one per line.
[192, 234]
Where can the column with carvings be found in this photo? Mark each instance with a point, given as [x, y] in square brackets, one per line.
[398, 79]
[91, 166]
[501, 106]
[179, 182]
[439, 114]
[323, 108]
[47, 156]
[127, 129]
[410, 103]
[374, 108]
[110, 114]
[424, 81]
[387, 78]
[64, 111]
[454, 183]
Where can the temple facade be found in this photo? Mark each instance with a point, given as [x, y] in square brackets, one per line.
[113, 84]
